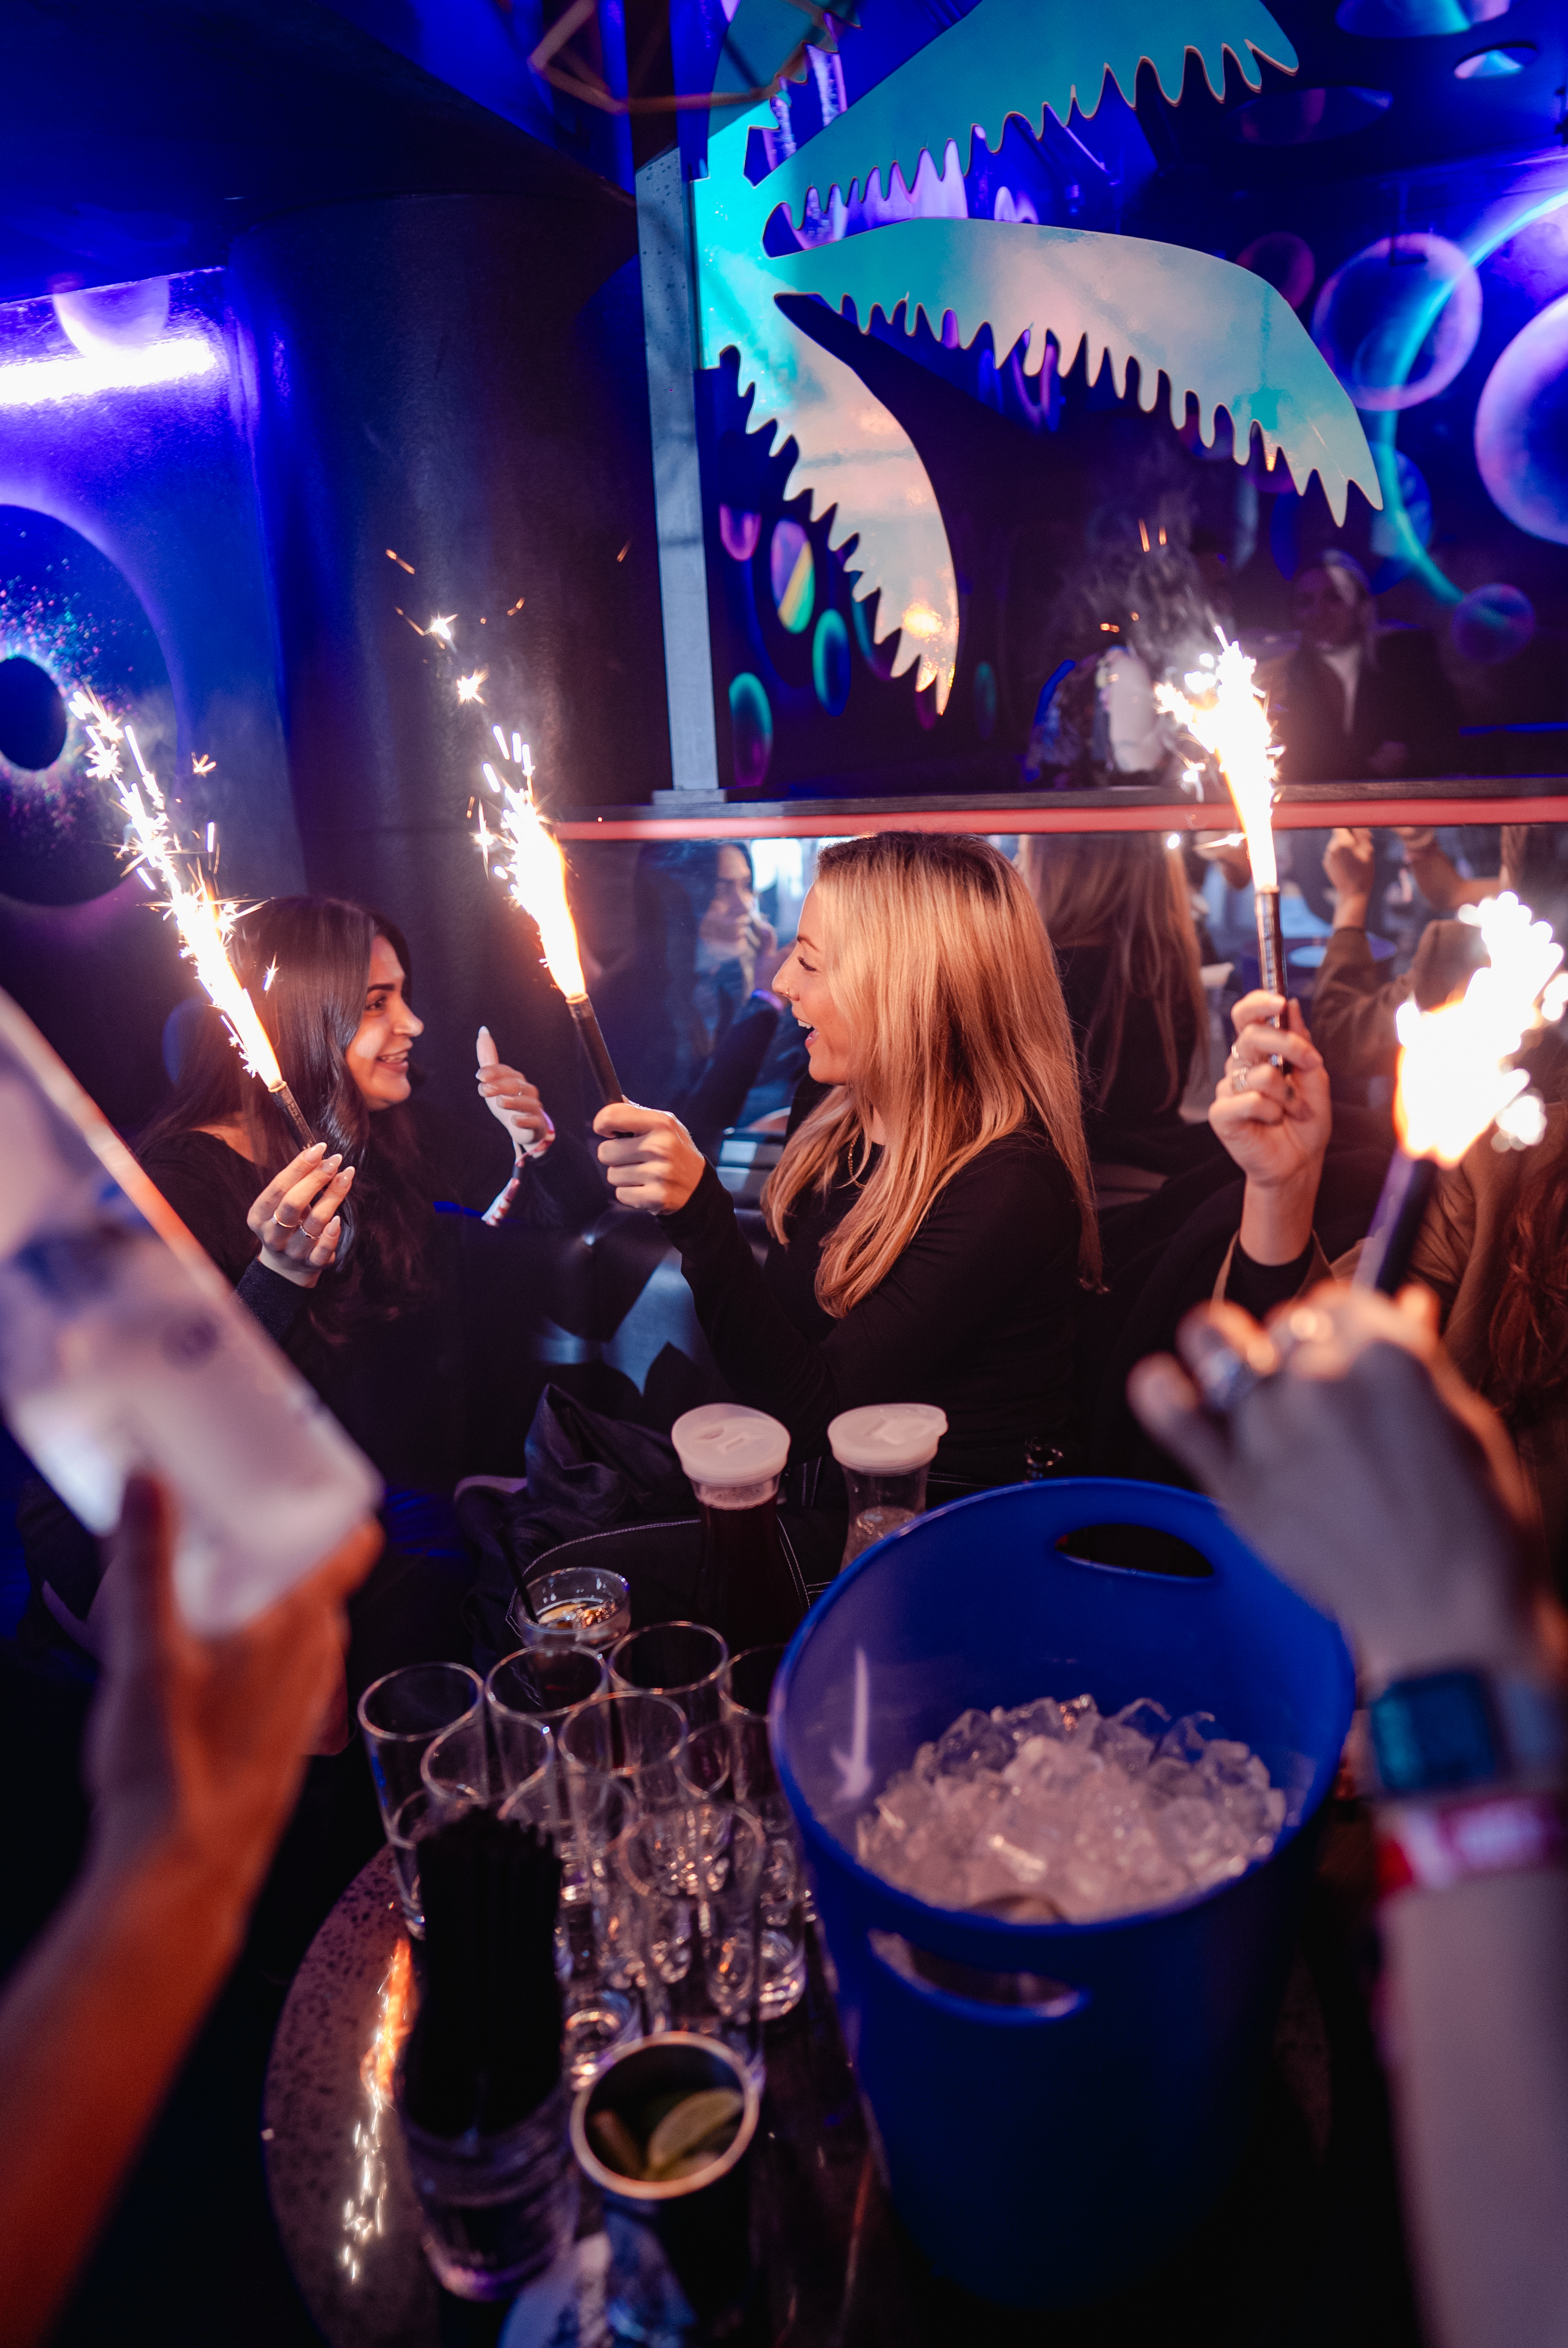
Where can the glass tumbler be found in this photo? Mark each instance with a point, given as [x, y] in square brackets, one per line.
[682, 1661]
[400, 1717]
[619, 1759]
[697, 1961]
[784, 1899]
[886, 1451]
[586, 1604]
[536, 1688]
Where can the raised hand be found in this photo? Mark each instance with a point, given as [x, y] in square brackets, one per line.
[1349, 861]
[296, 1217]
[649, 1158]
[1275, 1122]
[510, 1097]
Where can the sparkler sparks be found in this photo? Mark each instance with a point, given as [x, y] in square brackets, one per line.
[441, 626]
[205, 923]
[1453, 1081]
[1232, 724]
[202, 766]
[468, 687]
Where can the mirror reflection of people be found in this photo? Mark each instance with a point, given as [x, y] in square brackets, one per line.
[931, 1214]
[690, 1017]
[1358, 703]
[1118, 913]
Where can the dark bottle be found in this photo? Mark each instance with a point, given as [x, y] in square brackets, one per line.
[747, 1587]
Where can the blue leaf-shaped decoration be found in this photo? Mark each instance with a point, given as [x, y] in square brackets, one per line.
[762, 39]
[1212, 329]
[1020, 56]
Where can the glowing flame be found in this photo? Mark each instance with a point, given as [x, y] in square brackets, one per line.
[1452, 1081]
[529, 861]
[364, 2217]
[1232, 724]
[205, 923]
[468, 687]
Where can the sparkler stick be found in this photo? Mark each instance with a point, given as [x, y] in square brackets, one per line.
[535, 880]
[205, 923]
[1454, 1080]
[1233, 726]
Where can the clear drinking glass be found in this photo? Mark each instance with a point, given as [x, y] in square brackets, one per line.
[498, 2209]
[747, 1690]
[620, 1755]
[706, 1781]
[588, 1604]
[400, 1717]
[456, 1769]
[682, 1661]
[695, 1962]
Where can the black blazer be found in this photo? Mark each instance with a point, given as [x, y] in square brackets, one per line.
[1403, 696]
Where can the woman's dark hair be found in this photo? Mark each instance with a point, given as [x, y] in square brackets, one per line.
[1126, 892]
[1528, 1353]
[305, 962]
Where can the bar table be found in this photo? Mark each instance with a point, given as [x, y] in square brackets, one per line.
[837, 2269]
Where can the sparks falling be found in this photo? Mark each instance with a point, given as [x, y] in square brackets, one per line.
[468, 687]
[527, 858]
[1232, 724]
[1454, 1080]
[205, 923]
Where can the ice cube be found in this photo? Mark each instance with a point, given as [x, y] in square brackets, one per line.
[973, 1742]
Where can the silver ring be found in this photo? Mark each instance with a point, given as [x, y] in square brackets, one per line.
[1238, 1079]
[1224, 1379]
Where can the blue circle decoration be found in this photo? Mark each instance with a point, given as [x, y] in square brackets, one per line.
[792, 575]
[985, 701]
[1398, 322]
[1493, 65]
[1415, 20]
[830, 663]
[752, 731]
[1492, 625]
[1521, 427]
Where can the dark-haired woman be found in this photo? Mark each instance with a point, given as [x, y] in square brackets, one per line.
[1117, 914]
[335, 1251]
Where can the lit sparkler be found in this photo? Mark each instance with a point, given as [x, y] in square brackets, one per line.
[205, 923]
[1232, 724]
[1455, 1079]
[468, 687]
[441, 627]
[527, 858]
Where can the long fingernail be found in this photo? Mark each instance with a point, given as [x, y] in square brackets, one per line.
[315, 1149]
[335, 1159]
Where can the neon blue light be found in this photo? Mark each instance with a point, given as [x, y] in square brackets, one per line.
[37, 383]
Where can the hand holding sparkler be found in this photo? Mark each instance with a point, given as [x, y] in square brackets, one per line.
[649, 1158]
[297, 1220]
[1271, 1111]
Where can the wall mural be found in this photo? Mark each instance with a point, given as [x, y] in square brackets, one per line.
[1218, 333]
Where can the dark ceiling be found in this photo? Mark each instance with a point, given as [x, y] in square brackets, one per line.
[138, 140]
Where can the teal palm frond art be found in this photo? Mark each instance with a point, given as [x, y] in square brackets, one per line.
[1020, 56]
[1212, 329]
[851, 451]
[767, 37]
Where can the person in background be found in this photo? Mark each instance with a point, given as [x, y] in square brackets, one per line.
[1354, 1000]
[1357, 702]
[1346, 1450]
[1118, 913]
[1135, 615]
[195, 1757]
[691, 1018]
[930, 1217]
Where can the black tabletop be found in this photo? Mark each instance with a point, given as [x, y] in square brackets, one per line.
[1303, 2245]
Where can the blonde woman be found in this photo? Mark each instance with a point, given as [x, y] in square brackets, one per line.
[930, 1219]
[1117, 912]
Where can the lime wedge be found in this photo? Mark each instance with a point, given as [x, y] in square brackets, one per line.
[691, 2126]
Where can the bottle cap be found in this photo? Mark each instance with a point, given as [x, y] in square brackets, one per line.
[887, 1438]
[723, 1443]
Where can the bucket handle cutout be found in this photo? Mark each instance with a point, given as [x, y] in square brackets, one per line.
[979, 1993]
[1132, 1548]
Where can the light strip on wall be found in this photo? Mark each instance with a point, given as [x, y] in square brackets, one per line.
[35, 383]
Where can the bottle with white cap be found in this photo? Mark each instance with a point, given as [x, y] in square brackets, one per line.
[747, 1587]
[885, 1451]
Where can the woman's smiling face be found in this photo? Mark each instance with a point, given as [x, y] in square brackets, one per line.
[804, 985]
[378, 1056]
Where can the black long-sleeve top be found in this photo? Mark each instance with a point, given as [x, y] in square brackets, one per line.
[975, 1315]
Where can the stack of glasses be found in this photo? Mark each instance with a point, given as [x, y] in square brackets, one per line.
[682, 1902]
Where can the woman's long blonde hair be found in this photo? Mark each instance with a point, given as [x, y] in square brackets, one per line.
[934, 954]
[1127, 892]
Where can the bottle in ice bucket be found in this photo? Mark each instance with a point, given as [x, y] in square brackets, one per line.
[747, 1587]
[885, 1451]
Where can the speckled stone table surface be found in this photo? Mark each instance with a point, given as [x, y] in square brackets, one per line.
[1288, 2235]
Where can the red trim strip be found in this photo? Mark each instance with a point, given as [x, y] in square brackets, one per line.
[825, 822]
